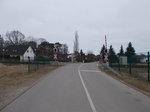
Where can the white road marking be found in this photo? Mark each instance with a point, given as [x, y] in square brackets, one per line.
[90, 71]
[86, 91]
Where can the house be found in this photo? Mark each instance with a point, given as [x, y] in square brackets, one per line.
[142, 58]
[21, 52]
[123, 60]
[71, 57]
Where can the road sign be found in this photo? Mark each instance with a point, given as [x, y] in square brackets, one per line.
[55, 53]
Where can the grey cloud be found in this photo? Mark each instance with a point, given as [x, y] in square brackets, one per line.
[57, 20]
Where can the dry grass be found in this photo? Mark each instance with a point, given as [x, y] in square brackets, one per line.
[136, 72]
[132, 80]
[12, 69]
[16, 81]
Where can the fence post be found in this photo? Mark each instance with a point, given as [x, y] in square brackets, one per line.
[35, 65]
[119, 66]
[119, 63]
[129, 64]
[28, 64]
[148, 63]
[130, 68]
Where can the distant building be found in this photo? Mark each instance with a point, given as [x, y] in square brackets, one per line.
[21, 52]
[71, 57]
[123, 60]
[142, 58]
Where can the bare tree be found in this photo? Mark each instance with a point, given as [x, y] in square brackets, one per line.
[40, 40]
[15, 37]
[66, 49]
[76, 43]
[1, 41]
[45, 49]
[31, 38]
[33, 44]
[6, 43]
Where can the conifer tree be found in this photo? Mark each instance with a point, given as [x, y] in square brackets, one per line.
[130, 53]
[112, 55]
[121, 53]
[102, 49]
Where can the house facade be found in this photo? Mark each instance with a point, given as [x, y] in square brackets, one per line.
[28, 54]
[144, 60]
[19, 52]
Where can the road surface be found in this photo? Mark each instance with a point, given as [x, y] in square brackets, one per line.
[80, 88]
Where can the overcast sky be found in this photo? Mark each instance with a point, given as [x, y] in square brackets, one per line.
[57, 20]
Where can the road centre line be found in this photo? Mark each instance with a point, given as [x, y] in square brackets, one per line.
[86, 90]
[90, 71]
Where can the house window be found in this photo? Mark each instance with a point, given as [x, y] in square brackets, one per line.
[27, 51]
[14, 50]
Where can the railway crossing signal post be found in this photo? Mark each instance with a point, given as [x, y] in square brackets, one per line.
[55, 53]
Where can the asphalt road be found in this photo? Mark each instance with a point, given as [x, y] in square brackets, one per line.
[80, 88]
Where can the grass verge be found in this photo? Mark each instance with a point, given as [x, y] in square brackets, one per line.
[133, 81]
[12, 85]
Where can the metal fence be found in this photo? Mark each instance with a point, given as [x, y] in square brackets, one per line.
[10, 67]
[137, 65]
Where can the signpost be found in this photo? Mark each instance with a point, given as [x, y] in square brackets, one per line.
[55, 53]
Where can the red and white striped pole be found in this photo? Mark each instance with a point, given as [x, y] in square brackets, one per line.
[105, 60]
